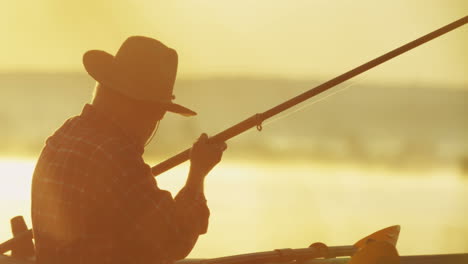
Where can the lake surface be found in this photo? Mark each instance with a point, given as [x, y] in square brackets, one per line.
[257, 206]
[372, 156]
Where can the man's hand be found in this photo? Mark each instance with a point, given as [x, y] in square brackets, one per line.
[204, 156]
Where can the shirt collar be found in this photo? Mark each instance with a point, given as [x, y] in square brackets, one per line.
[102, 120]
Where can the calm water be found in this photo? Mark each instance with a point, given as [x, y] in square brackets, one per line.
[262, 206]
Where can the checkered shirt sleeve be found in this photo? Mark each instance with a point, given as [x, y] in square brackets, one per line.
[153, 224]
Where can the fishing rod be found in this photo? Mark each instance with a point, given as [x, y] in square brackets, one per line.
[257, 119]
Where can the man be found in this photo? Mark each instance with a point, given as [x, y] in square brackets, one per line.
[94, 199]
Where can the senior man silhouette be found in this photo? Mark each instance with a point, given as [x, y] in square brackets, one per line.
[94, 199]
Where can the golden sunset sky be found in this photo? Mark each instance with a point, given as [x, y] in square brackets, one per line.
[312, 40]
[303, 39]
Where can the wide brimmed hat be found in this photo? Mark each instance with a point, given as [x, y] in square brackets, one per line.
[143, 69]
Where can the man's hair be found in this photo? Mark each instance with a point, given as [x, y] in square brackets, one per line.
[109, 95]
[105, 95]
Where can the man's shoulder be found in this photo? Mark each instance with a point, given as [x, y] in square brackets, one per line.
[78, 136]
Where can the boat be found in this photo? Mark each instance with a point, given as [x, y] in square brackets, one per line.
[376, 248]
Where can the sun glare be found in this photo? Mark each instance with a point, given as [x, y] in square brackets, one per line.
[16, 175]
[15, 190]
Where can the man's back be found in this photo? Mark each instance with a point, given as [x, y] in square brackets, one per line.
[94, 200]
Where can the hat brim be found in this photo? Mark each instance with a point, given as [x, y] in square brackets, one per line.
[100, 65]
[179, 109]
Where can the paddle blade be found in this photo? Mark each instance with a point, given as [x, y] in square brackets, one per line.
[389, 235]
[376, 252]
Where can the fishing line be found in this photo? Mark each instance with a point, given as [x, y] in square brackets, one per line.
[298, 109]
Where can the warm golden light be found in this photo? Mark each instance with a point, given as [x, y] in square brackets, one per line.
[303, 39]
[318, 203]
[14, 192]
[385, 148]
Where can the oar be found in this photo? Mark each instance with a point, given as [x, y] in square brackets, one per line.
[386, 236]
[21, 244]
[15, 241]
[257, 119]
[317, 250]
[389, 236]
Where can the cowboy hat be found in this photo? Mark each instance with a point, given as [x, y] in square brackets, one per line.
[143, 69]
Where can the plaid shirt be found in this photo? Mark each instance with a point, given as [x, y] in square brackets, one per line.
[94, 200]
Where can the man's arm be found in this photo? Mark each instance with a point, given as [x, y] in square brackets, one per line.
[153, 223]
[203, 157]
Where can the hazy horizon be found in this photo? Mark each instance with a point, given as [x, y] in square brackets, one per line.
[367, 123]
